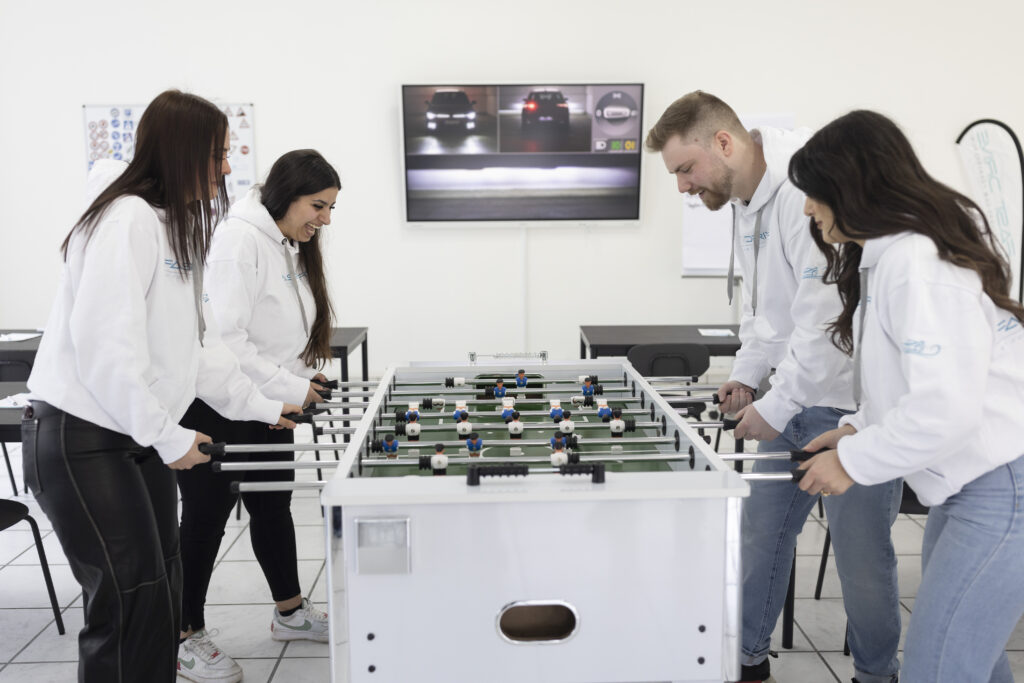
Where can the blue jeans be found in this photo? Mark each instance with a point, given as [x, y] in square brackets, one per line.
[860, 522]
[971, 594]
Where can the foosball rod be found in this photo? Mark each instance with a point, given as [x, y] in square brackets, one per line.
[495, 426]
[603, 456]
[451, 394]
[577, 411]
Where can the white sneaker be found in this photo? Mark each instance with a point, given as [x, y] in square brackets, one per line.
[199, 659]
[306, 623]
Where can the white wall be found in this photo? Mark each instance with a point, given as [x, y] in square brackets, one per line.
[326, 74]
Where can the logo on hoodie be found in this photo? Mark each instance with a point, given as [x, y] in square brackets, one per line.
[288, 278]
[918, 347]
[812, 273]
[1007, 325]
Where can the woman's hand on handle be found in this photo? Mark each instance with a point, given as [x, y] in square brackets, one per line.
[193, 457]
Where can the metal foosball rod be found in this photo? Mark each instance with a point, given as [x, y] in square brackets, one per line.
[580, 412]
[496, 426]
[515, 443]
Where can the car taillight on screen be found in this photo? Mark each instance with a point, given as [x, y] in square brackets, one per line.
[530, 106]
[563, 105]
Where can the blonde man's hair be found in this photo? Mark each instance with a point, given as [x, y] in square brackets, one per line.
[695, 117]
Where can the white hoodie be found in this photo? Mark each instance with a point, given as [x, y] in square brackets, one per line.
[794, 308]
[255, 302]
[943, 379]
[121, 348]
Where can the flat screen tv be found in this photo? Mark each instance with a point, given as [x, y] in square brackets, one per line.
[554, 152]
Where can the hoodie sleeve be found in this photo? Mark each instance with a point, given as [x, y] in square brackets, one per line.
[231, 281]
[108, 330]
[223, 385]
[945, 345]
[811, 363]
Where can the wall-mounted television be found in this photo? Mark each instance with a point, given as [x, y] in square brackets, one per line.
[547, 152]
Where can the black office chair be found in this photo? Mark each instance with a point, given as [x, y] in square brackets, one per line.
[909, 505]
[12, 512]
[13, 371]
[670, 360]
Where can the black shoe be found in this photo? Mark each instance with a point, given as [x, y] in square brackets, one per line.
[756, 673]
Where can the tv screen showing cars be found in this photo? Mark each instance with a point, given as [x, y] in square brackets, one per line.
[522, 152]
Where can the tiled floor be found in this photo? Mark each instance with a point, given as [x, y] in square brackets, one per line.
[240, 606]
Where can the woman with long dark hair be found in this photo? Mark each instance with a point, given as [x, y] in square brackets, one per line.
[937, 343]
[268, 290]
[126, 351]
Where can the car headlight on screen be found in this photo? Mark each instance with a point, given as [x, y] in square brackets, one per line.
[430, 115]
[471, 115]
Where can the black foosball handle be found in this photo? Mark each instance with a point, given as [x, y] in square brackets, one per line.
[329, 384]
[474, 472]
[594, 469]
[214, 450]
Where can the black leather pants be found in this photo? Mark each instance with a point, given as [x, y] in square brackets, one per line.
[113, 505]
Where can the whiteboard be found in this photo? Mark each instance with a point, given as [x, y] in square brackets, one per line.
[110, 131]
[707, 235]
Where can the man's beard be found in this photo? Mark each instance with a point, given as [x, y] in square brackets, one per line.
[720, 193]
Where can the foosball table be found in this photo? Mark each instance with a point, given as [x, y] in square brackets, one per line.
[535, 521]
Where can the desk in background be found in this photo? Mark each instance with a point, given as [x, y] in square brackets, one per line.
[617, 340]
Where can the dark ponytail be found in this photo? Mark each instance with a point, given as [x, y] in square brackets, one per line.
[296, 174]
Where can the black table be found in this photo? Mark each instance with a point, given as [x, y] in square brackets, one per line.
[10, 424]
[617, 340]
[343, 342]
[16, 358]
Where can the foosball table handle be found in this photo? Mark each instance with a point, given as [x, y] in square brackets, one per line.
[474, 472]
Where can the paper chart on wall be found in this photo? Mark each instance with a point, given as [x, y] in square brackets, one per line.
[110, 132]
[707, 235]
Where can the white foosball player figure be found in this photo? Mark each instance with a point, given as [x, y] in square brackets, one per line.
[439, 461]
[515, 426]
[558, 456]
[566, 426]
[617, 424]
[508, 406]
[413, 427]
[463, 427]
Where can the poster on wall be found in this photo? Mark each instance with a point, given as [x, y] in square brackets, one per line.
[110, 132]
[707, 234]
[994, 165]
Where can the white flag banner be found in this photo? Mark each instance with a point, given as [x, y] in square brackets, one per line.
[994, 166]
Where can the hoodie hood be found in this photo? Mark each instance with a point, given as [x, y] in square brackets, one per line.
[251, 210]
[103, 173]
[779, 146]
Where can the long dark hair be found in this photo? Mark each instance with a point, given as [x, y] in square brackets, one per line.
[296, 174]
[864, 169]
[178, 143]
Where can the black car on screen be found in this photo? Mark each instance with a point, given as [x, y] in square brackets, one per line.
[450, 110]
[545, 107]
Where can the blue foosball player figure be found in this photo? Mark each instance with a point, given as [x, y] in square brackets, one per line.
[521, 378]
[603, 411]
[460, 414]
[390, 446]
[506, 412]
[588, 387]
[556, 411]
[414, 409]
[474, 444]
[558, 440]
[499, 388]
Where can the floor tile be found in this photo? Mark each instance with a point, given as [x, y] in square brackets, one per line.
[24, 586]
[256, 670]
[801, 667]
[50, 646]
[243, 582]
[243, 630]
[19, 626]
[40, 673]
[51, 547]
[305, 670]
